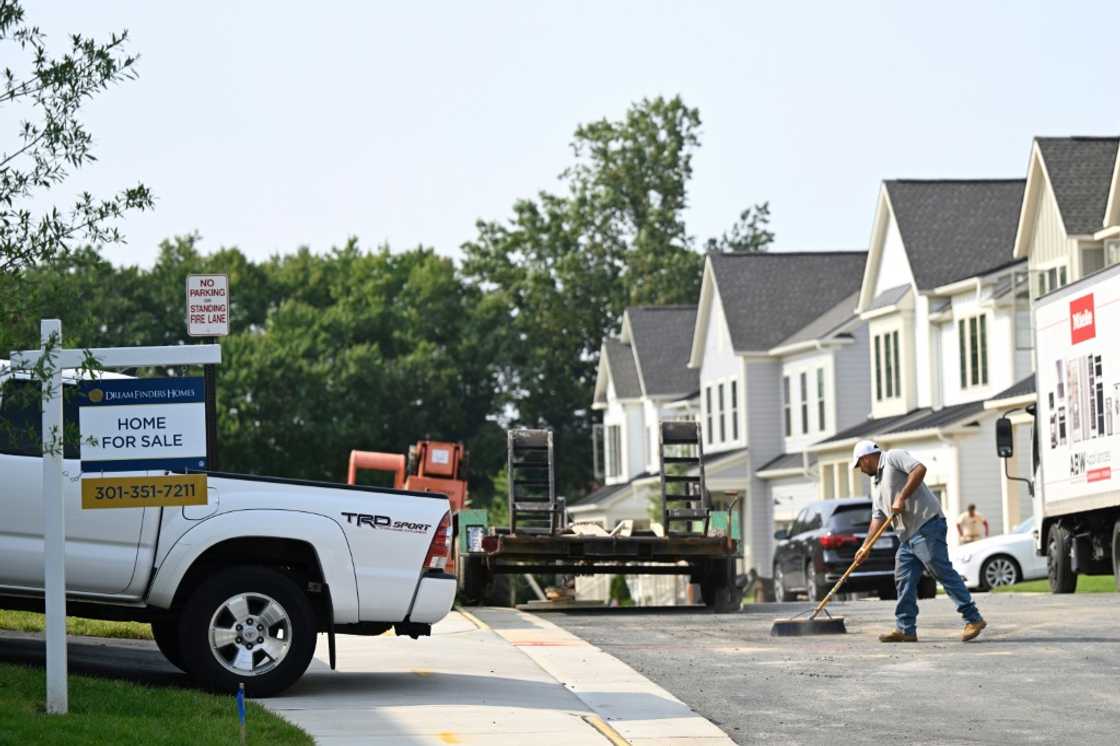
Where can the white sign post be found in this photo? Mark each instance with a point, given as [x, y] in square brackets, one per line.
[207, 305]
[54, 510]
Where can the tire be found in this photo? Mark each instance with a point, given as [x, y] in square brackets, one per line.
[473, 580]
[1059, 569]
[888, 592]
[927, 587]
[717, 587]
[999, 570]
[781, 594]
[166, 635]
[232, 599]
[813, 585]
[1116, 553]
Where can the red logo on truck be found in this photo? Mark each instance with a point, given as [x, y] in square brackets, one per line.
[1082, 319]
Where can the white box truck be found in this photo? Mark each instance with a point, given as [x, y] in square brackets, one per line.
[1077, 429]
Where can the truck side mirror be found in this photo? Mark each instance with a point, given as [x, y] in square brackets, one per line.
[1005, 440]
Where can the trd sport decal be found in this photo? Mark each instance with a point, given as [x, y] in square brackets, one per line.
[386, 523]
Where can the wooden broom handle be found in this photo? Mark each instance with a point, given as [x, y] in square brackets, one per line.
[871, 542]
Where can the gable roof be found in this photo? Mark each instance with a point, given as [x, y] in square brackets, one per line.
[661, 337]
[768, 296]
[832, 322]
[954, 229]
[1080, 171]
[623, 370]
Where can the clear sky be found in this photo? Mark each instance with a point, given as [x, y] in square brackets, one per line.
[271, 125]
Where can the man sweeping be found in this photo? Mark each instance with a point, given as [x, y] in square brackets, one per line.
[921, 528]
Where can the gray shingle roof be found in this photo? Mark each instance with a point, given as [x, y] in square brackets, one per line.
[599, 495]
[889, 297]
[624, 373]
[827, 324]
[926, 418]
[1025, 386]
[662, 340]
[1080, 170]
[787, 461]
[866, 428]
[954, 229]
[769, 296]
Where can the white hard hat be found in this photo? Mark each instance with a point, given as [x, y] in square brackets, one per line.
[863, 448]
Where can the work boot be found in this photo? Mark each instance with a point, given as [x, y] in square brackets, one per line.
[972, 630]
[898, 636]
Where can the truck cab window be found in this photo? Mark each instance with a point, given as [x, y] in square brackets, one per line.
[21, 419]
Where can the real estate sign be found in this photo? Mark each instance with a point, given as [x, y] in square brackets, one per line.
[141, 424]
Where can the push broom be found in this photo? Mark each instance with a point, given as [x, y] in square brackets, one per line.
[832, 625]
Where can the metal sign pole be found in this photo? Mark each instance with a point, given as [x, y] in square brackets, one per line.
[54, 510]
[210, 381]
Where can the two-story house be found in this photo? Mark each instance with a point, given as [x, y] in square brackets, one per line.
[1069, 227]
[643, 377]
[773, 334]
[948, 327]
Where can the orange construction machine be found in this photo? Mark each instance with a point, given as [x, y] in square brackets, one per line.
[431, 466]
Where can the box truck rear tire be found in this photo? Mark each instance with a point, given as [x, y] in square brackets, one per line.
[1059, 564]
[1116, 553]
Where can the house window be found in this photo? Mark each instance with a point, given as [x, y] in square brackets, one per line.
[708, 411]
[820, 398]
[804, 403]
[1052, 279]
[614, 450]
[878, 371]
[734, 410]
[888, 368]
[722, 421]
[972, 342]
[786, 406]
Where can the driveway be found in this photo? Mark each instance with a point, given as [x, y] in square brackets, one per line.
[1045, 671]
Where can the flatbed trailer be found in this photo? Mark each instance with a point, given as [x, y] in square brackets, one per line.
[539, 540]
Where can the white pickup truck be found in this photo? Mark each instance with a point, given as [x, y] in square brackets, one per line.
[236, 590]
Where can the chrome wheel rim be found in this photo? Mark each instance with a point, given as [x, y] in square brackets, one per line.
[250, 634]
[1000, 571]
[811, 581]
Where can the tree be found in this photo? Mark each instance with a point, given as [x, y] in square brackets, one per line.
[51, 141]
[564, 267]
[748, 233]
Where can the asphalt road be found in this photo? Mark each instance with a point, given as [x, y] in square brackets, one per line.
[1045, 671]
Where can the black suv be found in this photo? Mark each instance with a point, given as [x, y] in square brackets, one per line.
[821, 543]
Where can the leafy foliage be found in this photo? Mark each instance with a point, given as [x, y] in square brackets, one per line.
[47, 98]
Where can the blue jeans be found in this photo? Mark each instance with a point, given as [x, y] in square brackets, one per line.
[927, 548]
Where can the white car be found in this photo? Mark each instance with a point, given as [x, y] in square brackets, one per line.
[1000, 560]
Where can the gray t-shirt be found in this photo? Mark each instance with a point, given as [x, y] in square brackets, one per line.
[921, 506]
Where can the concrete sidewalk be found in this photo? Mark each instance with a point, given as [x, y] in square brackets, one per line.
[494, 680]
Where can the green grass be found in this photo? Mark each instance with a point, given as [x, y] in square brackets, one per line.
[29, 621]
[1085, 584]
[105, 710]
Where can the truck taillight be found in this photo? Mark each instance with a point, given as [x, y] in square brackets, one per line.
[440, 548]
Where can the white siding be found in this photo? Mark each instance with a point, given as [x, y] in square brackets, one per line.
[790, 494]
[720, 365]
[980, 475]
[1049, 243]
[852, 386]
[633, 441]
[894, 265]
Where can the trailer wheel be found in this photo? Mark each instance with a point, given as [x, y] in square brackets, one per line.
[1116, 552]
[717, 586]
[166, 635]
[1059, 570]
[473, 580]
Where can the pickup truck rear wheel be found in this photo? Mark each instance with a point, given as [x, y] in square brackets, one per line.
[247, 624]
[166, 635]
